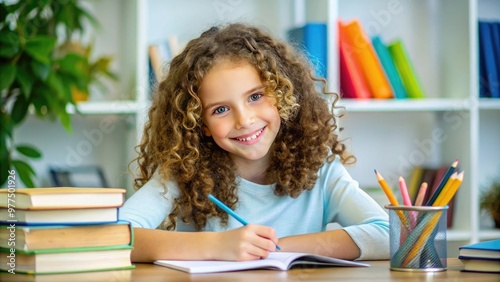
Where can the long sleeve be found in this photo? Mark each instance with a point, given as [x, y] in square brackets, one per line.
[149, 206]
[359, 215]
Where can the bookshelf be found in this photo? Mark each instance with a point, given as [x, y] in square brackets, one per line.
[389, 135]
[441, 38]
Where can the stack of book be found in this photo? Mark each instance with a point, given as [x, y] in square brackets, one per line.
[481, 257]
[370, 68]
[63, 230]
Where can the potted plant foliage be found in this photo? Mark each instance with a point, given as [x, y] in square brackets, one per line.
[38, 73]
[490, 202]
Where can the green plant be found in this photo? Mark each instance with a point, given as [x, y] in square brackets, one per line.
[490, 202]
[36, 74]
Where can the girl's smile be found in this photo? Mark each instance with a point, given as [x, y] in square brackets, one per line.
[250, 139]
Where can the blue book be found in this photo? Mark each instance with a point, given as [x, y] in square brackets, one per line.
[312, 39]
[489, 79]
[390, 68]
[495, 35]
[482, 250]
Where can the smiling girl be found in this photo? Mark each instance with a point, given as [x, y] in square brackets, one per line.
[238, 116]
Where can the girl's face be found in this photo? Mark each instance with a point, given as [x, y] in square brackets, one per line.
[237, 114]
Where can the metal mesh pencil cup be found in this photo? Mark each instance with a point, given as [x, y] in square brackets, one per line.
[417, 238]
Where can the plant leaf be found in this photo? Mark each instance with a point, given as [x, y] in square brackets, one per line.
[4, 172]
[29, 151]
[3, 15]
[40, 48]
[25, 172]
[7, 126]
[55, 83]
[65, 118]
[74, 64]
[20, 109]
[40, 70]
[9, 43]
[25, 80]
[7, 75]
[58, 107]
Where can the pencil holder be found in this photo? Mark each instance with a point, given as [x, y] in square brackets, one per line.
[417, 238]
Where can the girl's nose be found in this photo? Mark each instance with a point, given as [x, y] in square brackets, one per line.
[244, 117]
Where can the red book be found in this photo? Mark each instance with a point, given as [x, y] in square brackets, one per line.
[352, 83]
[360, 48]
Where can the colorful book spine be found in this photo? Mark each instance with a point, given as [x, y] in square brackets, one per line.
[352, 83]
[495, 32]
[362, 50]
[312, 39]
[406, 70]
[488, 63]
[390, 68]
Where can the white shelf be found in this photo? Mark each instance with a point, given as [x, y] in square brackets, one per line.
[489, 234]
[457, 235]
[105, 108]
[489, 104]
[421, 105]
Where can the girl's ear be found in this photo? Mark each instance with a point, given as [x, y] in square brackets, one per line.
[206, 131]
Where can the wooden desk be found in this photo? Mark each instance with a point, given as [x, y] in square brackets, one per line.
[378, 271]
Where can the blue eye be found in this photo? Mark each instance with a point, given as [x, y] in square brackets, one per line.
[255, 97]
[220, 110]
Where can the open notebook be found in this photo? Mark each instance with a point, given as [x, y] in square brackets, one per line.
[276, 261]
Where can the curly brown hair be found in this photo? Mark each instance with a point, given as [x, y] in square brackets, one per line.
[175, 146]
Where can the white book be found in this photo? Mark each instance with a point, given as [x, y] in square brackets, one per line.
[275, 261]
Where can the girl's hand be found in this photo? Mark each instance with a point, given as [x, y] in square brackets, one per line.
[250, 242]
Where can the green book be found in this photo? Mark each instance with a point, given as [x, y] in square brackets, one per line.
[389, 67]
[405, 70]
[65, 260]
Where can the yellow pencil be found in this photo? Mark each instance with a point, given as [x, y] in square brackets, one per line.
[449, 193]
[443, 181]
[446, 187]
[387, 190]
[393, 201]
[452, 191]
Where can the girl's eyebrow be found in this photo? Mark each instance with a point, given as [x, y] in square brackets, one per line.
[260, 87]
[254, 89]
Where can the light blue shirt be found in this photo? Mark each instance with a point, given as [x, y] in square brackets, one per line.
[335, 198]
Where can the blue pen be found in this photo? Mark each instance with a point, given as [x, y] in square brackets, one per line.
[230, 212]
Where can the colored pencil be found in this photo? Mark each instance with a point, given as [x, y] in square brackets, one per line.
[229, 211]
[404, 192]
[407, 201]
[446, 187]
[431, 224]
[452, 190]
[421, 194]
[445, 178]
[387, 190]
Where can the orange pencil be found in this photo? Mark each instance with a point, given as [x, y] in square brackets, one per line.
[387, 190]
[421, 194]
